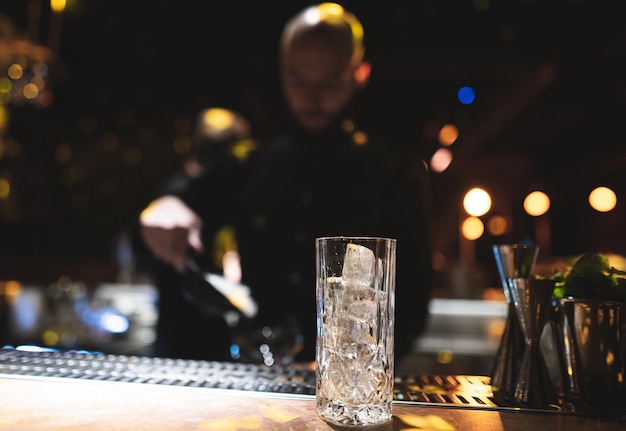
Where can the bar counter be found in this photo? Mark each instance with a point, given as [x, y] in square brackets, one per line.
[31, 404]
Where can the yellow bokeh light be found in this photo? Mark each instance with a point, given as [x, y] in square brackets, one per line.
[444, 356]
[472, 228]
[602, 199]
[50, 337]
[359, 138]
[58, 5]
[477, 202]
[5, 188]
[4, 118]
[218, 118]
[5, 85]
[30, 91]
[536, 203]
[15, 71]
[348, 126]
[448, 135]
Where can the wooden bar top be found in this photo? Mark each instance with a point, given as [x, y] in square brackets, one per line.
[31, 404]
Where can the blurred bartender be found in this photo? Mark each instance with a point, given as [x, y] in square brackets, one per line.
[323, 175]
[192, 323]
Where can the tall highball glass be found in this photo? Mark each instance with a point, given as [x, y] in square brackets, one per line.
[355, 326]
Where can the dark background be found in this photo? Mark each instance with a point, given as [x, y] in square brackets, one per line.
[128, 77]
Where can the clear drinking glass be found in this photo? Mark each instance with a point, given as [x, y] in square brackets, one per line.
[355, 325]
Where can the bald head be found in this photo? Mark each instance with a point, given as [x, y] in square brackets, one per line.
[321, 56]
[326, 23]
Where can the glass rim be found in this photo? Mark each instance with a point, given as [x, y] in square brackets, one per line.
[356, 238]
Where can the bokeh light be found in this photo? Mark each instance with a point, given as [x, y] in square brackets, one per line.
[466, 95]
[498, 225]
[472, 228]
[602, 199]
[440, 161]
[536, 203]
[5, 188]
[448, 135]
[477, 202]
[58, 5]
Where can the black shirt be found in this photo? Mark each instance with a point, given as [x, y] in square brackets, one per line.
[305, 186]
[300, 186]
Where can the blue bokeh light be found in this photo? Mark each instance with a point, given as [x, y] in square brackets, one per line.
[466, 95]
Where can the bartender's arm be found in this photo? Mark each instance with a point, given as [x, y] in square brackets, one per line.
[169, 229]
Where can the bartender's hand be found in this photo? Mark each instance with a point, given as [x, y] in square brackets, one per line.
[169, 229]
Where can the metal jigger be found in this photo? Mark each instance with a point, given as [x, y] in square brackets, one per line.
[533, 302]
[514, 261]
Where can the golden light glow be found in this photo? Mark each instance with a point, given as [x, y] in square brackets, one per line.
[218, 118]
[477, 202]
[610, 357]
[50, 337]
[232, 424]
[427, 422]
[602, 199]
[5, 85]
[58, 6]
[16, 71]
[5, 188]
[448, 135]
[241, 150]
[472, 228]
[11, 289]
[30, 91]
[444, 356]
[359, 138]
[4, 118]
[536, 203]
[348, 126]
[497, 225]
[276, 412]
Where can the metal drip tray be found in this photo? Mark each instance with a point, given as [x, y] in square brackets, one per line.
[458, 391]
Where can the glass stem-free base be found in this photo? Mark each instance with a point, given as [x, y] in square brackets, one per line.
[353, 414]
